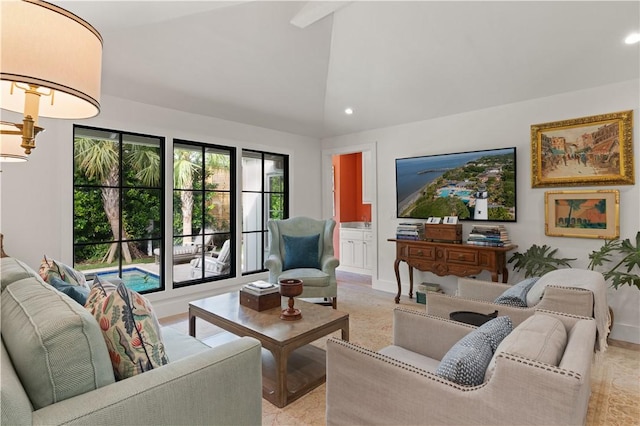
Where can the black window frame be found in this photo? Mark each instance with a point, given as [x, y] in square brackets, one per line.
[264, 194]
[232, 215]
[122, 190]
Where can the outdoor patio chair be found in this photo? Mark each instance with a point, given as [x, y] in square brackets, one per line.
[185, 252]
[214, 263]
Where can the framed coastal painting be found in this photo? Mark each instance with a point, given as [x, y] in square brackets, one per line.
[584, 214]
[595, 150]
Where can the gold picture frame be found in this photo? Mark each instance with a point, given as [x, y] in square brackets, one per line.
[582, 214]
[595, 150]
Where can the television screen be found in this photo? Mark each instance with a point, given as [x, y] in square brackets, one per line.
[476, 185]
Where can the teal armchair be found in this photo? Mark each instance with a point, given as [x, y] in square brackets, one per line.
[310, 257]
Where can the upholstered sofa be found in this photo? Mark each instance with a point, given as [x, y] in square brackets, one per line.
[533, 377]
[56, 368]
[478, 296]
[574, 291]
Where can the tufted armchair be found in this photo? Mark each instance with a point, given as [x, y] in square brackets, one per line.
[401, 385]
[302, 248]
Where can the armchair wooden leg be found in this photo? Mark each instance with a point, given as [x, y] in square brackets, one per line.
[334, 302]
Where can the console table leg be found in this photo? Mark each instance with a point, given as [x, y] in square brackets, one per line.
[396, 265]
[505, 275]
[410, 282]
[192, 325]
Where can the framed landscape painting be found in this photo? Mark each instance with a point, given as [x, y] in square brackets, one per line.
[584, 214]
[595, 150]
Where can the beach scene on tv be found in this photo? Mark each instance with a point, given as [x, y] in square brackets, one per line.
[478, 185]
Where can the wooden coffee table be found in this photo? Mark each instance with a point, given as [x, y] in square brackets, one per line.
[291, 367]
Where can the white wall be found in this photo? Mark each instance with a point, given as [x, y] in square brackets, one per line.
[505, 126]
[36, 197]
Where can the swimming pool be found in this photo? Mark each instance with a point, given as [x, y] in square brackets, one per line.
[457, 192]
[135, 278]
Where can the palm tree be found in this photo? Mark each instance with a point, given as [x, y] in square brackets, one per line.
[99, 159]
[573, 205]
[184, 170]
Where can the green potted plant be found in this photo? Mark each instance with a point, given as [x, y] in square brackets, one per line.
[538, 260]
[620, 260]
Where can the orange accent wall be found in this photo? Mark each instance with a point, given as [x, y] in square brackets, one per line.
[348, 193]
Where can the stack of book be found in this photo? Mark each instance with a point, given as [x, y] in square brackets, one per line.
[430, 287]
[260, 288]
[410, 231]
[489, 235]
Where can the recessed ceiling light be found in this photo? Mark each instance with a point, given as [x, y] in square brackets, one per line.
[348, 111]
[632, 38]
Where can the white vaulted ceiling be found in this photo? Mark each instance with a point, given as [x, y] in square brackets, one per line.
[392, 62]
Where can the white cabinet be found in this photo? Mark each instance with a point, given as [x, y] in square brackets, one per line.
[356, 253]
[367, 178]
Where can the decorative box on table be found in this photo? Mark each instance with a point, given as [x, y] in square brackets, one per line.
[260, 303]
[260, 296]
[443, 233]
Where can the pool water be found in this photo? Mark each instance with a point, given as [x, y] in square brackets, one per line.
[135, 279]
[457, 192]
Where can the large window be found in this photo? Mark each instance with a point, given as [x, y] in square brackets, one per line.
[203, 212]
[265, 192]
[118, 206]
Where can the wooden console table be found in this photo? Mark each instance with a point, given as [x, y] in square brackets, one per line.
[449, 259]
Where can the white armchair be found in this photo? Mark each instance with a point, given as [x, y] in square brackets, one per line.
[310, 257]
[214, 264]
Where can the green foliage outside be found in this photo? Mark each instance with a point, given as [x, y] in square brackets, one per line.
[276, 198]
[97, 199]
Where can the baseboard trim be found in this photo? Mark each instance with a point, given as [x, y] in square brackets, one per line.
[626, 333]
[354, 270]
[625, 345]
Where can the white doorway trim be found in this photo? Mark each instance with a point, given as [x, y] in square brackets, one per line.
[327, 190]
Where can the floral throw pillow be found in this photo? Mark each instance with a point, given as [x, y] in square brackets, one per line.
[99, 291]
[130, 329]
[51, 268]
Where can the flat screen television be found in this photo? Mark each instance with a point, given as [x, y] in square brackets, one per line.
[473, 185]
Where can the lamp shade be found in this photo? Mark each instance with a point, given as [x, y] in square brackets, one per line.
[10, 139]
[47, 46]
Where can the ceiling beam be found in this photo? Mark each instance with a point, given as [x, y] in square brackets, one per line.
[314, 11]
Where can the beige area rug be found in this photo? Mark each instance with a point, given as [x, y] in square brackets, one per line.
[615, 396]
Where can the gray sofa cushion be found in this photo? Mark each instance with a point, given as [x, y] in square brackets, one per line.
[13, 270]
[55, 345]
[410, 357]
[16, 407]
[309, 276]
[540, 338]
[178, 345]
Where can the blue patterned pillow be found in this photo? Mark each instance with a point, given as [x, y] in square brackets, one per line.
[466, 362]
[496, 330]
[76, 292]
[301, 252]
[516, 295]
